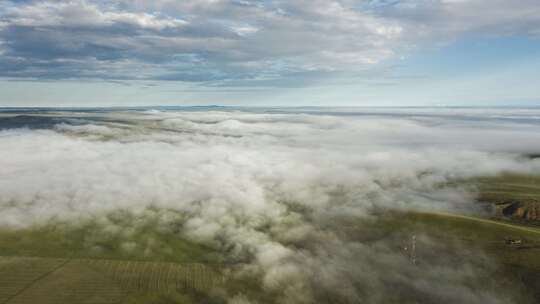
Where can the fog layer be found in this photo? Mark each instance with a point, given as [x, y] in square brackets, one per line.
[270, 189]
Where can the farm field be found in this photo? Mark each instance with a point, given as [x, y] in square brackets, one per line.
[48, 280]
[511, 251]
[66, 279]
[93, 239]
[113, 260]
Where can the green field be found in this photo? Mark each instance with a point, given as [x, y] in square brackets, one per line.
[61, 262]
[516, 197]
[129, 260]
[510, 187]
[121, 238]
[53, 280]
[510, 251]
[28, 270]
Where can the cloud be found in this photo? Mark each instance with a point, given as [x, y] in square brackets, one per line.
[274, 191]
[235, 41]
[447, 20]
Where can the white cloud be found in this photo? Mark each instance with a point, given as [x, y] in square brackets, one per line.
[82, 13]
[290, 37]
[245, 30]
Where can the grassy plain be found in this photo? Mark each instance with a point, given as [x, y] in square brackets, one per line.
[59, 262]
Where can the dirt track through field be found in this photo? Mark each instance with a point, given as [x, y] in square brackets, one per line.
[486, 221]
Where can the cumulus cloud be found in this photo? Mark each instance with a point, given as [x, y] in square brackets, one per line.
[275, 191]
[226, 42]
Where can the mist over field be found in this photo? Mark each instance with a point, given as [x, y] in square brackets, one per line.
[274, 190]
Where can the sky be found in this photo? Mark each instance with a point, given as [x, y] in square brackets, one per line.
[270, 53]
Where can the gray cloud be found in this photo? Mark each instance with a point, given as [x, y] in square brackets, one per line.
[234, 41]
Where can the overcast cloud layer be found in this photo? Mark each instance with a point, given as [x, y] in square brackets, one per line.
[275, 190]
[233, 42]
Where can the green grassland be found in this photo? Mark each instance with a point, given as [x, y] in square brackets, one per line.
[516, 197]
[67, 280]
[34, 267]
[510, 252]
[62, 262]
[85, 242]
[129, 260]
[121, 237]
[509, 187]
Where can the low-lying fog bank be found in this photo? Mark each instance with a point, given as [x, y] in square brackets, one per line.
[271, 189]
